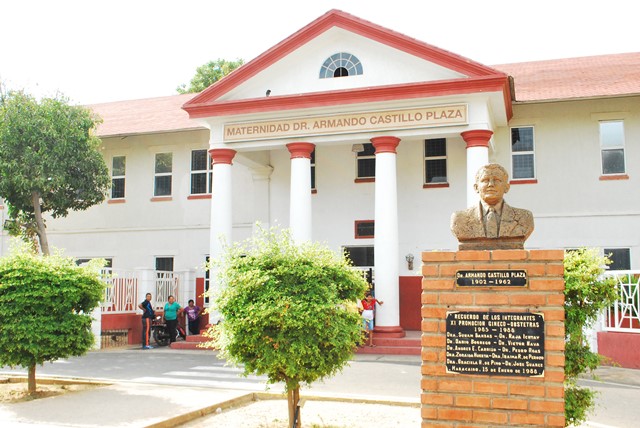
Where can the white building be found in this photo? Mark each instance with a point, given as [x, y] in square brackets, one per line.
[366, 139]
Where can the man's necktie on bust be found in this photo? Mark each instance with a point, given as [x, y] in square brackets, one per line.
[491, 223]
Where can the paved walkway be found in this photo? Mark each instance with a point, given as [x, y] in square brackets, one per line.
[128, 404]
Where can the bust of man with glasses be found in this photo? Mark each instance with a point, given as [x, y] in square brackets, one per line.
[492, 224]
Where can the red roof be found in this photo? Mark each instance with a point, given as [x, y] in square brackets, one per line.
[575, 78]
[146, 116]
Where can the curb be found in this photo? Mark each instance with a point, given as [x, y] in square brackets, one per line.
[256, 396]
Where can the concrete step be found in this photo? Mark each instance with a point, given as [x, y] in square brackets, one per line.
[182, 344]
[389, 350]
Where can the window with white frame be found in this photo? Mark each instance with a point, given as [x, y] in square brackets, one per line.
[118, 170]
[341, 64]
[163, 170]
[164, 264]
[612, 147]
[435, 161]
[200, 172]
[620, 258]
[366, 162]
[522, 153]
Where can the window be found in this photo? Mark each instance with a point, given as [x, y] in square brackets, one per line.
[163, 169]
[435, 161]
[612, 146]
[362, 259]
[522, 155]
[200, 172]
[340, 65]
[118, 169]
[620, 258]
[364, 229]
[366, 162]
[313, 170]
[164, 264]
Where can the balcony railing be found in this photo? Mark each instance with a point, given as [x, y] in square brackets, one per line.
[624, 315]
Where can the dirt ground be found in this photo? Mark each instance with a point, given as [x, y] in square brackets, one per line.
[16, 391]
[315, 414]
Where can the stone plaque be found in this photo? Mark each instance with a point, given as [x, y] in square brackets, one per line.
[491, 278]
[495, 343]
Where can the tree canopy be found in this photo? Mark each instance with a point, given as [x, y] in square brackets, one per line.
[289, 311]
[208, 74]
[45, 309]
[50, 161]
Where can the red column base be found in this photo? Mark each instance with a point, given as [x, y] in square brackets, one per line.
[388, 331]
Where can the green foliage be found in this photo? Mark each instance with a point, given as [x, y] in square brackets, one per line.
[288, 311]
[45, 308]
[48, 152]
[586, 295]
[208, 74]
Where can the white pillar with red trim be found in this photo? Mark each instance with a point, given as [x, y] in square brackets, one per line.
[300, 191]
[477, 155]
[386, 246]
[221, 201]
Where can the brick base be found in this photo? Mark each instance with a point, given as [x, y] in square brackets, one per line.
[473, 400]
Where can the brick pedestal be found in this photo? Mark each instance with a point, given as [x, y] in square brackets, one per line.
[475, 400]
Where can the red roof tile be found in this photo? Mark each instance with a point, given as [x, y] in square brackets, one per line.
[146, 116]
[573, 78]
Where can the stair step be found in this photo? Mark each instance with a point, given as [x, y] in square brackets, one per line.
[189, 345]
[390, 350]
[197, 338]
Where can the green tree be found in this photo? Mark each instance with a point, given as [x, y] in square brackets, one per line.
[208, 74]
[587, 293]
[45, 309]
[50, 161]
[289, 312]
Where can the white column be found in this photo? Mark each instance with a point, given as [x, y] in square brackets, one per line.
[221, 208]
[477, 156]
[386, 248]
[300, 191]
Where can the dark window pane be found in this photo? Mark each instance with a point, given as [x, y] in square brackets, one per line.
[366, 168]
[199, 183]
[119, 165]
[163, 162]
[369, 150]
[117, 188]
[522, 139]
[613, 161]
[620, 257]
[360, 256]
[436, 171]
[435, 147]
[365, 228]
[313, 177]
[163, 186]
[164, 264]
[210, 181]
[199, 160]
[523, 166]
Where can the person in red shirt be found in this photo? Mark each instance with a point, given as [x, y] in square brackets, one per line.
[368, 308]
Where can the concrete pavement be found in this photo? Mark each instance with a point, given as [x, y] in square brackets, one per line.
[134, 404]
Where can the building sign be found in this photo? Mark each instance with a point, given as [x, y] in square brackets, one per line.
[491, 278]
[347, 123]
[495, 344]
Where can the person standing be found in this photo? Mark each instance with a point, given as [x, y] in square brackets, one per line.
[171, 311]
[148, 314]
[193, 317]
[368, 308]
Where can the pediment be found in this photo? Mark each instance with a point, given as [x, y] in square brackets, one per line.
[293, 70]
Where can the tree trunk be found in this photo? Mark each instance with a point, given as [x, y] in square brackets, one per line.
[31, 380]
[41, 231]
[293, 398]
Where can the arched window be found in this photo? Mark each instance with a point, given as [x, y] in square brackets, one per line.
[340, 65]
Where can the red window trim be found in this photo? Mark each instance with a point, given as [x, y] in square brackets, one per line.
[528, 181]
[199, 196]
[161, 198]
[614, 177]
[365, 180]
[434, 185]
[116, 201]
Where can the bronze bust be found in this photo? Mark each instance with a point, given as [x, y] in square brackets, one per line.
[492, 223]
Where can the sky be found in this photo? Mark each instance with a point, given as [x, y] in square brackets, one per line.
[95, 51]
